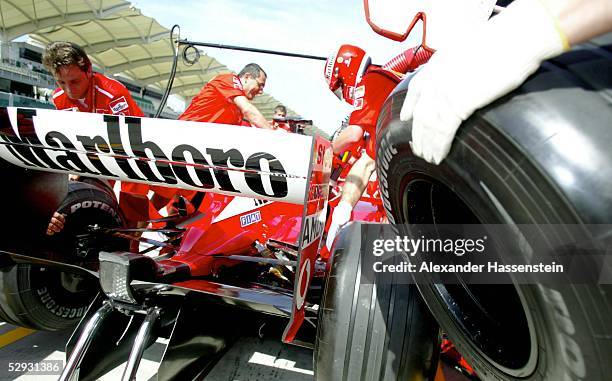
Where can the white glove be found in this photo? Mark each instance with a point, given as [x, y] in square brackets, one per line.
[477, 67]
[341, 215]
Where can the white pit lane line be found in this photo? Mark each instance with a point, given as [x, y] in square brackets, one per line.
[271, 361]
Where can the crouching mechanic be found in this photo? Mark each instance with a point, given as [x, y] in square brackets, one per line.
[351, 76]
[80, 89]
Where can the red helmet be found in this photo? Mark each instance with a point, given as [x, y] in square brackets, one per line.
[344, 69]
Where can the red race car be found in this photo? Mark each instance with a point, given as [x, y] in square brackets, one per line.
[244, 230]
[250, 241]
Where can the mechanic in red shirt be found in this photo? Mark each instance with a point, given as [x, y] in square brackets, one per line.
[280, 112]
[352, 78]
[227, 99]
[80, 89]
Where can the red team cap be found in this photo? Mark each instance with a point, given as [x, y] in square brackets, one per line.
[344, 69]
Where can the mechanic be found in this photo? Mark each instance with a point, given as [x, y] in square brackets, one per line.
[280, 111]
[226, 99]
[352, 78]
[511, 47]
[80, 89]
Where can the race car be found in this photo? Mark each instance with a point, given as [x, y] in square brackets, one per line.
[537, 156]
[251, 241]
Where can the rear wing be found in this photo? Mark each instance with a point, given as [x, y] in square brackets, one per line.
[226, 159]
[208, 157]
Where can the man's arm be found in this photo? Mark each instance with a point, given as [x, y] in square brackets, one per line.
[511, 46]
[357, 179]
[349, 136]
[251, 113]
[581, 20]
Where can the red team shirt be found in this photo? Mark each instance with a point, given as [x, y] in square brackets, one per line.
[369, 95]
[106, 96]
[215, 102]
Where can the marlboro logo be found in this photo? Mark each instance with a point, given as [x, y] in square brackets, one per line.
[111, 155]
[118, 105]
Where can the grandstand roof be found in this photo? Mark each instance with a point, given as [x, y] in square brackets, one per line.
[19, 17]
[119, 39]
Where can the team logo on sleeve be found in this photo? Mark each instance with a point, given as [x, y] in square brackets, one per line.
[118, 105]
[359, 91]
[358, 95]
[237, 83]
[358, 104]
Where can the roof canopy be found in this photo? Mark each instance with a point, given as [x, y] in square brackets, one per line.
[20, 17]
[119, 39]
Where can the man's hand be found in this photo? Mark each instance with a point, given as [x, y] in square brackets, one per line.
[56, 224]
[342, 215]
[476, 68]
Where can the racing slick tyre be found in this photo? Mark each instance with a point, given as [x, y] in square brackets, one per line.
[377, 331]
[48, 299]
[89, 202]
[540, 155]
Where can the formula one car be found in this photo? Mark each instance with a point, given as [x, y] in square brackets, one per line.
[251, 242]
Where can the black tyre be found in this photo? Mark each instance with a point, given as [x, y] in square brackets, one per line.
[48, 299]
[371, 331]
[539, 155]
[87, 203]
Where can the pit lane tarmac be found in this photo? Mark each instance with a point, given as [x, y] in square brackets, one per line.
[252, 358]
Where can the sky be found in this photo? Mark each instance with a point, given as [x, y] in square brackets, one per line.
[315, 27]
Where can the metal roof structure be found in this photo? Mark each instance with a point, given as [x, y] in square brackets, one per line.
[120, 40]
[18, 17]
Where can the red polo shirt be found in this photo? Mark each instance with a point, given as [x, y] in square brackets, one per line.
[369, 96]
[215, 102]
[106, 96]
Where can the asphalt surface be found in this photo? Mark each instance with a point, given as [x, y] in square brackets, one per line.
[251, 358]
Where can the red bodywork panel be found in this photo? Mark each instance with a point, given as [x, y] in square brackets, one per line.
[256, 189]
[245, 221]
[313, 225]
